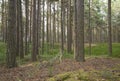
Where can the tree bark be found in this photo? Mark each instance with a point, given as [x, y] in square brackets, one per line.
[62, 22]
[43, 32]
[80, 31]
[34, 33]
[21, 50]
[27, 25]
[69, 28]
[90, 32]
[11, 46]
[109, 29]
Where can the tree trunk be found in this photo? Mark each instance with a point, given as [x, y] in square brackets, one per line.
[69, 28]
[34, 33]
[38, 24]
[27, 25]
[31, 16]
[11, 46]
[43, 32]
[109, 29]
[75, 30]
[21, 50]
[80, 31]
[2, 19]
[90, 32]
[62, 22]
[54, 28]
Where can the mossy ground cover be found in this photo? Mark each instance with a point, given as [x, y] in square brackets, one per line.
[67, 71]
[93, 69]
[94, 75]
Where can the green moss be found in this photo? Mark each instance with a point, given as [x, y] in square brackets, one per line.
[82, 75]
[62, 77]
[51, 79]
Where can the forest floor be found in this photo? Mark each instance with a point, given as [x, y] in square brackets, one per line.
[107, 68]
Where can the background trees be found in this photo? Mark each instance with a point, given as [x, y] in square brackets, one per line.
[53, 26]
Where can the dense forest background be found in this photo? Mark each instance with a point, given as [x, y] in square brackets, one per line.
[46, 32]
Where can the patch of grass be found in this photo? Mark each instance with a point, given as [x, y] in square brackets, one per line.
[116, 50]
[26, 59]
[51, 52]
[68, 55]
[2, 52]
[102, 50]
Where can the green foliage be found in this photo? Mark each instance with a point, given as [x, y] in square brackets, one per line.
[82, 75]
[68, 55]
[25, 60]
[52, 52]
[50, 71]
[107, 74]
[97, 50]
[2, 52]
[61, 77]
[72, 76]
[116, 50]
[102, 49]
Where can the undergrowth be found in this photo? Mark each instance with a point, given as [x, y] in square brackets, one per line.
[81, 75]
[51, 52]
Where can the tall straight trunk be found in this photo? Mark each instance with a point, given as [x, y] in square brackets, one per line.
[17, 30]
[2, 19]
[80, 31]
[116, 34]
[21, 50]
[38, 25]
[69, 28]
[43, 32]
[54, 28]
[11, 46]
[34, 33]
[58, 24]
[90, 38]
[109, 29]
[64, 22]
[6, 20]
[47, 27]
[75, 29]
[50, 27]
[47, 36]
[62, 27]
[26, 25]
[31, 14]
